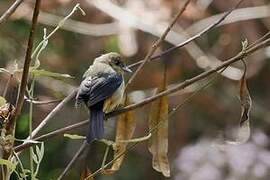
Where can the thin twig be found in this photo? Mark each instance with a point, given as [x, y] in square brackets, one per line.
[188, 82]
[75, 157]
[105, 156]
[47, 136]
[42, 102]
[21, 165]
[157, 43]
[10, 11]
[264, 37]
[207, 29]
[178, 87]
[53, 112]
[76, 7]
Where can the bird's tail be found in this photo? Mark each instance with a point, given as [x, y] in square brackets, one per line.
[96, 129]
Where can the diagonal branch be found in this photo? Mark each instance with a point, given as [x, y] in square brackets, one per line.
[75, 157]
[199, 77]
[10, 11]
[157, 43]
[49, 135]
[207, 29]
[53, 112]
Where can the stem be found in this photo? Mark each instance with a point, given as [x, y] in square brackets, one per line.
[30, 126]
[27, 62]
[76, 7]
[105, 156]
[75, 157]
[21, 165]
[10, 127]
[157, 43]
[182, 44]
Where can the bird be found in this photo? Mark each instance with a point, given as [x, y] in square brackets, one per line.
[102, 91]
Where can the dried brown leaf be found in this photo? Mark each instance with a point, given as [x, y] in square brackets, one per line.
[158, 144]
[245, 99]
[243, 132]
[126, 124]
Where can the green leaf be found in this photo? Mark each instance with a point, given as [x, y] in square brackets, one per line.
[9, 164]
[45, 73]
[74, 136]
[2, 101]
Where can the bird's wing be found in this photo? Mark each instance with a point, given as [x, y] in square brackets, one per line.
[96, 89]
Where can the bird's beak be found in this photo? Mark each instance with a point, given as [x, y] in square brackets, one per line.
[125, 68]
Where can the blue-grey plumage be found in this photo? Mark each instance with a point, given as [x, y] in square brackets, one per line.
[102, 90]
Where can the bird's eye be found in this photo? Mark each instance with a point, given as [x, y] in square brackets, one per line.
[117, 61]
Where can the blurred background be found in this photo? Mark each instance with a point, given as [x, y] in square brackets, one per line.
[130, 27]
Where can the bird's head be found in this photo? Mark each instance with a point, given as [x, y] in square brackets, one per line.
[115, 61]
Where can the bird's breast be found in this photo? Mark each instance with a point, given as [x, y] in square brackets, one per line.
[115, 100]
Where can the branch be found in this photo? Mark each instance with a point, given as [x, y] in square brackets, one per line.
[43, 102]
[26, 66]
[47, 136]
[10, 11]
[251, 49]
[207, 29]
[53, 112]
[157, 43]
[199, 77]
